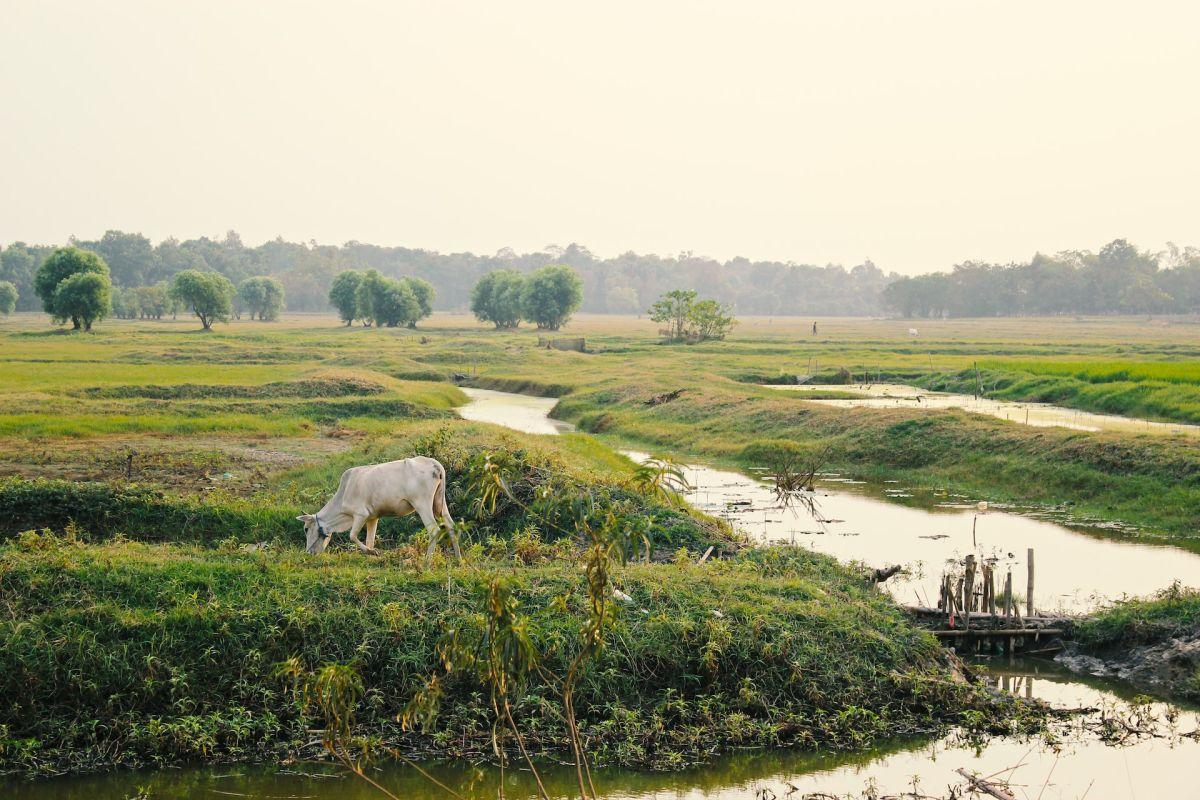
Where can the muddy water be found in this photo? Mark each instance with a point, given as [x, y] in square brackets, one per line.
[1145, 768]
[520, 412]
[894, 395]
[1076, 568]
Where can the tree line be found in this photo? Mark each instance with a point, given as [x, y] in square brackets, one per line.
[1119, 279]
[625, 284]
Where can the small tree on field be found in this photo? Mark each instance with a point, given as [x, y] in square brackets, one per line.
[262, 297]
[125, 303]
[8, 297]
[424, 292]
[675, 309]
[208, 294]
[712, 319]
[343, 295]
[550, 296]
[687, 317]
[84, 297]
[62, 264]
[496, 298]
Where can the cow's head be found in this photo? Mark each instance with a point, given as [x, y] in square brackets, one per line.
[317, 536]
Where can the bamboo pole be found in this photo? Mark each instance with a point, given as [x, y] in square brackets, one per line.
[1029, 585]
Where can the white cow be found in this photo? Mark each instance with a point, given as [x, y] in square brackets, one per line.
[395, 489]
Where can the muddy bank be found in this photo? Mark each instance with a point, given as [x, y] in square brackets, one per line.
[1170, 668]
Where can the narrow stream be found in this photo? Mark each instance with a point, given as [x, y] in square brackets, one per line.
[1078, 566]
[1041, 415]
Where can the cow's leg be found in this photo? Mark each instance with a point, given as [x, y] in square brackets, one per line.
[425, 510]
[372, 524]
[359, 520]
[442, 510]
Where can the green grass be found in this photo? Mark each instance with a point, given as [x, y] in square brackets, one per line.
[130, 654]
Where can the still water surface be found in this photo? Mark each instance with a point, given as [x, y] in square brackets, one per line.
[1042, 415]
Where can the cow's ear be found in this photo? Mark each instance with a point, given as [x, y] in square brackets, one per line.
[305, 517]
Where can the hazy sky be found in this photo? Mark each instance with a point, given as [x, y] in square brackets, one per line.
[914, 133]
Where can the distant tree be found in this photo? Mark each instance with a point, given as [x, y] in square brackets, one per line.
[130, 257]
[153, 301]
[8, 297]
[496, 298]
[85, 297]
[125, 303]
[385, 302]
[674, 308]
[17, 265]
[424, 292]
[342, 295]
[550, 296]
[711, 319]
[62, 264]
[208, 294]
[261, 297]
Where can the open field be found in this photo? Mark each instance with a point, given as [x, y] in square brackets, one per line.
[171, 464]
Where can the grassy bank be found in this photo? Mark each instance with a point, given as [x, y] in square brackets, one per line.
[265, 509]
[128, 653]
[1153, 642]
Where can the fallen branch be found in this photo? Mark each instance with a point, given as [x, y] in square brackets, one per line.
[991, 788]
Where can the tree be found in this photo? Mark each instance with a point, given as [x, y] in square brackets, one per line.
[8, 297]
[550, 296]
[712, 319]
[675, 309]
[343, 295]
[125, 303]
[129, 256]
[153, 301]
[85, 297]
[496, 298]
[262, 297]
[208, 294]
[386, 302]
[424, 292]
[62, 264]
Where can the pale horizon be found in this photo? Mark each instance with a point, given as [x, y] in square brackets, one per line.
[914, 136]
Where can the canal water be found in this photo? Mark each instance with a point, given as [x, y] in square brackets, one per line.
[1042, 415]
[1077, 566]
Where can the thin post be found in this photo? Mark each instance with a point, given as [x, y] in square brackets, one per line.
[1029, 585]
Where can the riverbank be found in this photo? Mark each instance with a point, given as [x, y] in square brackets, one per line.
[1153, 643]
[127, 654]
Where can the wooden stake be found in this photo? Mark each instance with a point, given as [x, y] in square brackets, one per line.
[1029, 585]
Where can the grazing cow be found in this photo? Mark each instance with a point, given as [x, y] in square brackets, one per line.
[394, 489]
[912, 331]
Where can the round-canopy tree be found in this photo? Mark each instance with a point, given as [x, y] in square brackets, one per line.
[262, 296]
[551, 295]
[62, 264]
[424, 292]
[496, 298]
[84, 298]
[343, 295]
[208, 294]
[8, 297]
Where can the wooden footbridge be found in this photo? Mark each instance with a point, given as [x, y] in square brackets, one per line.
[973, 618]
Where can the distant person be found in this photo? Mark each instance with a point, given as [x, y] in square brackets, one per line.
[814, 328]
